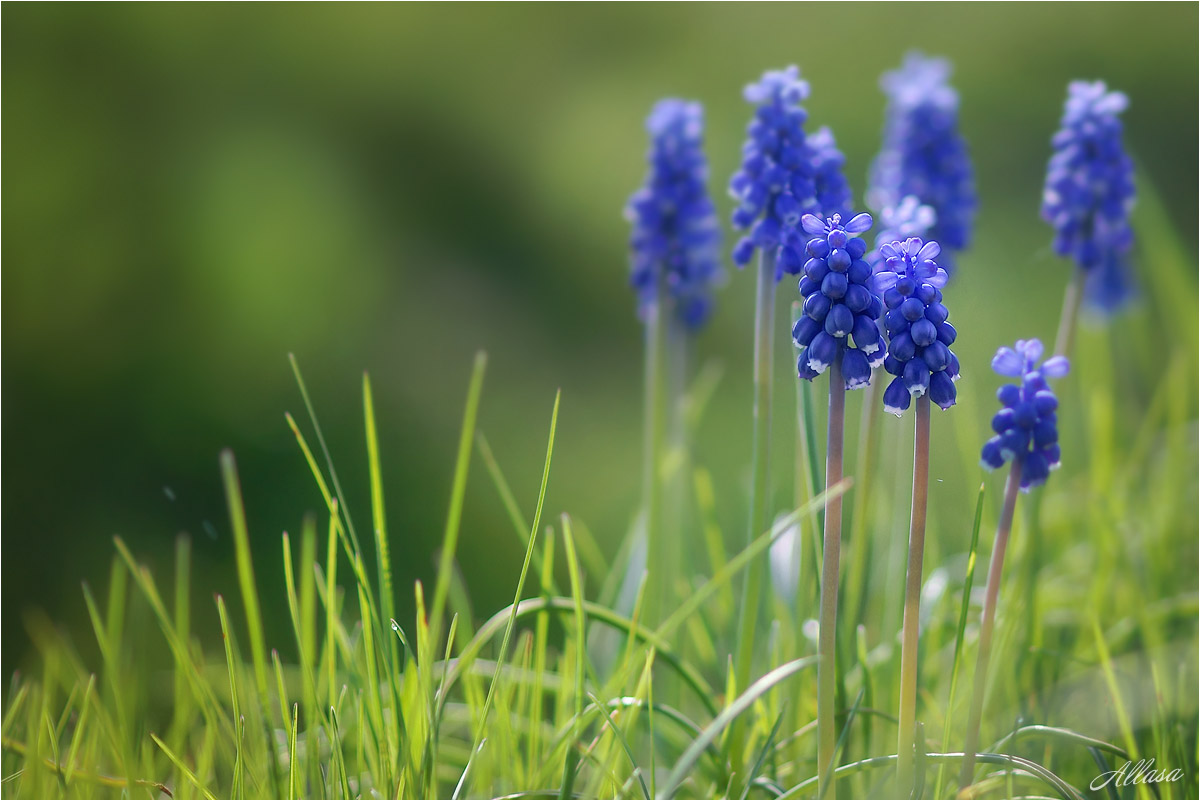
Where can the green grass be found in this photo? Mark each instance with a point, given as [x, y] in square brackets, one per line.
[1094, 664]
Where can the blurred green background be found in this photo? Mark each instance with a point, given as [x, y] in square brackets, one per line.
[194, 191]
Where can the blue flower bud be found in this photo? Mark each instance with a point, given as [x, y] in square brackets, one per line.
[834, 286]
[817, 306]
[937, 357]
[840, 321]
[923, 333]
[822, 351]
[858, 299]
[855, 369]
[942, 390]
[896, 397]
[916, 377]
[804, 330]
[991, 458]
[912, 309]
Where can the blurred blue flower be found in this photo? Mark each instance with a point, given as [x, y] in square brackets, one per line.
[833, 190]
[906, 219]
[838, 302]
[919, 335]
[676, 236]
[783, 176]
[1027, 426]
[1089, 192]
[923, 154]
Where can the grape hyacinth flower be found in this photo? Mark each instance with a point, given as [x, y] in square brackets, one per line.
[774, 186]
[840, 308]
[675, 247]
[919, 356]
[1088, 197]
[676, 236]
[919, 333]
[838, 332]
[923, 153]
[1027, 427]
[1027, 437]
[776, 183]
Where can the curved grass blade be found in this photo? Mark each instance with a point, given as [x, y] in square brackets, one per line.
[620, 735]
[183, 768]
[767, 746]
[595, 612]
[730, 713]
[1064, 789]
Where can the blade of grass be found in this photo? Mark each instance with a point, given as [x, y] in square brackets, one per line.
[620, 736]
[960, 631]
[457, 495]
[580, 644]
[727, 716]
[312, 416]
[183, 768]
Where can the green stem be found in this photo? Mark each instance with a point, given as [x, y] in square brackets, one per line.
[1003, 528]
[676, 479]
[827, 638]
[752, 591]
[1065, 340]
[656, 561]
[764, 330]
[856, 585]
[912, 600]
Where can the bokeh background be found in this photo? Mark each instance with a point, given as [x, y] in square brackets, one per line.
[194, 191]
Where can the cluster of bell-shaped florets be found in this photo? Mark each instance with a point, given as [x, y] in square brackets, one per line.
[676, 236]
[1089, 191]
[777, 181]
[923, 153]
[1027, 427]
[840, 307]
[919, 334]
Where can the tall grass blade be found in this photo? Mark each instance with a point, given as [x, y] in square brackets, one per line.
[457, 494]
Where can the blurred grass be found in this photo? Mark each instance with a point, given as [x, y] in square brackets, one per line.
[196, 191]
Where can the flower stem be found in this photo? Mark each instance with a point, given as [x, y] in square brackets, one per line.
[827, 637]
[912, 600]
[656, 560]
[764, 331]
[1065, 340]
[678, 563]
[985, 627]
[764, 335]
[868, 444]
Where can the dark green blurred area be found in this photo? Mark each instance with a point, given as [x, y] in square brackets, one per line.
[194, 191]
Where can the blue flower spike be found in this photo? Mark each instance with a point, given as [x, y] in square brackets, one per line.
[1089, 193]
[784, 174]
[1026, 426]
[919, 333]
[840, 307]
[923, 153]
[676, 235]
